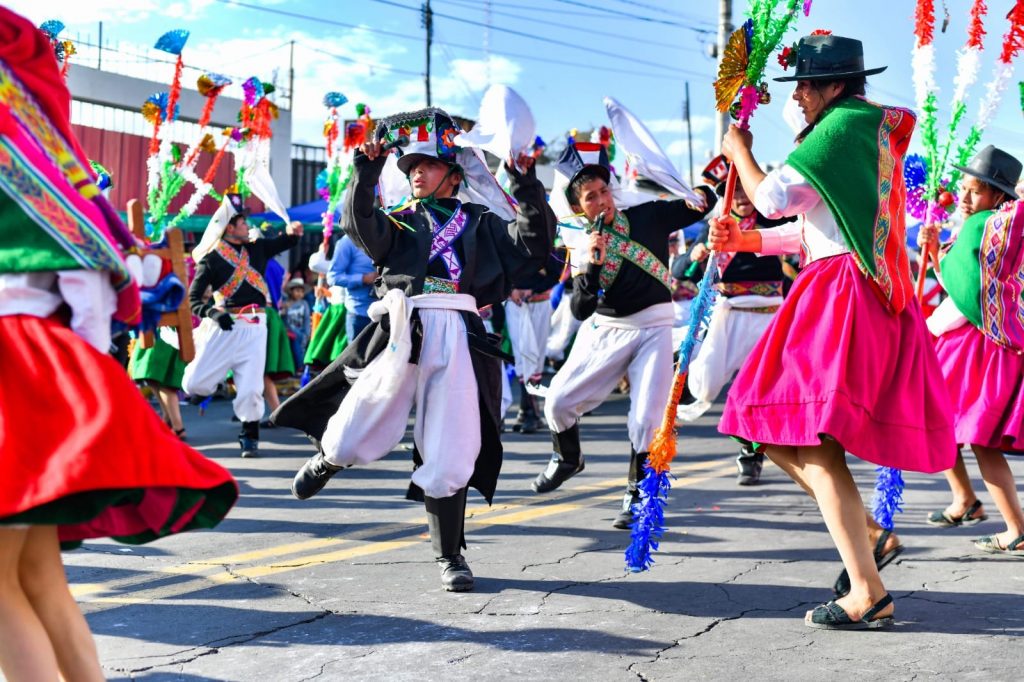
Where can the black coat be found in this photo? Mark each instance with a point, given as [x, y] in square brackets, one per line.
[493, 254]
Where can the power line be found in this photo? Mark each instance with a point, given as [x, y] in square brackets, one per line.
[523, 34]
[677, 73]
[588, 31]
[678, 15]
[351, 60]
[667, 22]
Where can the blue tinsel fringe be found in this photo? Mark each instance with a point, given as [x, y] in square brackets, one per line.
[648, 520]
[305, 377]
[888, 498]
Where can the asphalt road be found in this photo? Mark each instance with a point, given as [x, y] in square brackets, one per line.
[343, 586]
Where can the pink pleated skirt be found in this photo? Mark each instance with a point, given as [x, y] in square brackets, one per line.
[834, 363]
[984, 381]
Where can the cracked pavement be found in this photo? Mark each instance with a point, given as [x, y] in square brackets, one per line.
[343, 586]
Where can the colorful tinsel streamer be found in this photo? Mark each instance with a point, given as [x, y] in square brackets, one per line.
[888, 498]
[764, 34]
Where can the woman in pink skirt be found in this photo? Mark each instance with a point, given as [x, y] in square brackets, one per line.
[846, 364]
[980, 344]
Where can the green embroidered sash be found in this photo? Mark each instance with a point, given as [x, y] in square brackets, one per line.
[621, 247]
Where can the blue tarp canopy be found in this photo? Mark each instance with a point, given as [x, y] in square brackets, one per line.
[307, 214]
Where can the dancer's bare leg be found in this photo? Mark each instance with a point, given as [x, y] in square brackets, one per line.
[998, 477]
[25, 649]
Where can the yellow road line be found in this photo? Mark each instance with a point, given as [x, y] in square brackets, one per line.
[513, 512]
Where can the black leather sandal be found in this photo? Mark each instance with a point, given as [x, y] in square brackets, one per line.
[943, 520]
[832, 616]
[841, 587]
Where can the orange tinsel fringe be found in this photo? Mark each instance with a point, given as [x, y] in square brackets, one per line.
[212, 171]
[663, 445]
[314, 322]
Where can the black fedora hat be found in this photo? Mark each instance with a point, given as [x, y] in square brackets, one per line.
[996, 167]
[829, 57]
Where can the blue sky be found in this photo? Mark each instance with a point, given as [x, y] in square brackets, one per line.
[642, 52]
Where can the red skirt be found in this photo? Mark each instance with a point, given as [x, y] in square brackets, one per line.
[985, 386]
[81, 449]
[834, 362]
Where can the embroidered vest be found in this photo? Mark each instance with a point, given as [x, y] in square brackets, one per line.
[243, 272]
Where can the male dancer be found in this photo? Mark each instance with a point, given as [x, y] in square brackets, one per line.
[626, 281]
[440, 260]
[749, 294]
[233, 332]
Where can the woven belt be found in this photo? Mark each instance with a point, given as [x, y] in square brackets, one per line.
[540, 298]
[438, 285]
[251, 309]
[768, 309]
[750, 288]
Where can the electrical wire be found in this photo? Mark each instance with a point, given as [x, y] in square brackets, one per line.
[667, 22]
[523, 34]
[580, 29]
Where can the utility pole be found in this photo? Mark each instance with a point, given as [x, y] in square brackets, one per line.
[291, 75]
[99, 60]
[689, 131]
[428, 25]
[724, 30]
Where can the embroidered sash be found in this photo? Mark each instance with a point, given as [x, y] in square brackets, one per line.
[621, 247]
[1002, 276]
[443, 238]
[243, 272]
[730, 289]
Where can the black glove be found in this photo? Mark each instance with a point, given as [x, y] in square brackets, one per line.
[224, 319]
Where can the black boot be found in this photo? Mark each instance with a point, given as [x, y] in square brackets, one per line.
[749, 464]
[632, 495]
[527, 420]
[446, 517]
[313, 476]
[249, 439]
[566, 462]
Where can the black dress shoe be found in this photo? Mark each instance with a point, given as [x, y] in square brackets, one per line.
[557, 473]
[749, 465]
[455, 573]
[624, 520]
[250, 447]
[313, 476]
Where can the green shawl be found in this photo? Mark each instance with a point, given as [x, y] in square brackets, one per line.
[854, 160]
[961, 268]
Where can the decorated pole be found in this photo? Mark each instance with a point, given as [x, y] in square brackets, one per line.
[740, 72]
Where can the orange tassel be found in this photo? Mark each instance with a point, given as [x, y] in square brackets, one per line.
[663, 445]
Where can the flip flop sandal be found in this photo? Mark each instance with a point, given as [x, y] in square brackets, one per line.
[841, 587]
[943, 520]
[832, 616]
[991, 545]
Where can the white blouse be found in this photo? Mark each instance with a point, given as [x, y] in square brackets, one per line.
[88, 292]
[783, 193]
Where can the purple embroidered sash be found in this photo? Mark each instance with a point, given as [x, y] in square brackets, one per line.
[444, 235]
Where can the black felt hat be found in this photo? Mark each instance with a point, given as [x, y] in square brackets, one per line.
[996, 167]
[829, 57]
[431, 134]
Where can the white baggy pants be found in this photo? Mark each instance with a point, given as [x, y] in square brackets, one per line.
[638, 346]
[372, 418]
[731, 336]
[529, 325]
[243, 351]
[563, 326]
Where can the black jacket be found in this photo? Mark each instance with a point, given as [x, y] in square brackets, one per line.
[493, 254]
[745, 266]
[214, 271]
[650, 224]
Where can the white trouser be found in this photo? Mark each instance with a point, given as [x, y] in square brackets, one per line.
[731, 336]
[563, 326]
[243, 351]
[601, 356]
[528, 327]
[372, 418]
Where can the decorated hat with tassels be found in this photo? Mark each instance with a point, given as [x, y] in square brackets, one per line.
[580, 156]
[431, 134]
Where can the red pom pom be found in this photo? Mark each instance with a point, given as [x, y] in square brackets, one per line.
[945, 199]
